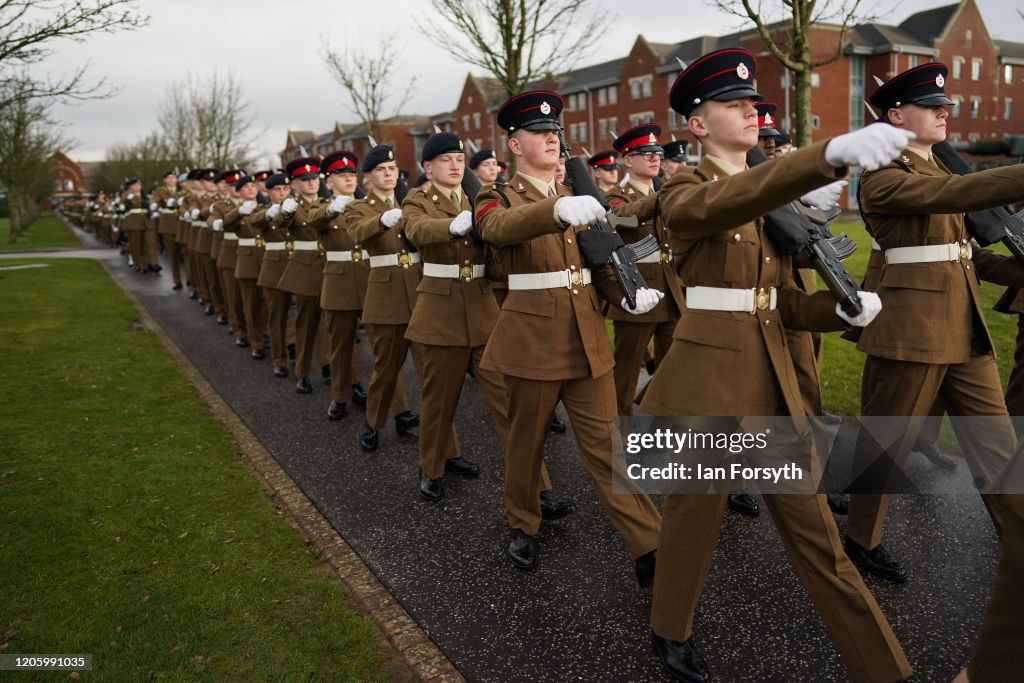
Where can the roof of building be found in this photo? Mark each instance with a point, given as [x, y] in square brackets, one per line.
[929, 24]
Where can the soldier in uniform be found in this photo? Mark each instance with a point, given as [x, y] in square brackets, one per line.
[550, 340]
[224, 219]
[606, 170]
[161, 203]
[134, 223]
[241, 221]
[766, 130]
[275, 258]
[373, 222]
[303, 274]
[729, 356]
[484, 165]
[675, 156]
[212, 293]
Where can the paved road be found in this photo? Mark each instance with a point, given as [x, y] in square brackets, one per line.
[580, 615]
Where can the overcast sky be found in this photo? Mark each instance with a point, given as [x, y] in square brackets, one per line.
[274, 46]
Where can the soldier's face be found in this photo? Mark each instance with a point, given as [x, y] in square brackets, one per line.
[384, 176]
[135, 188]
[248, 192]
[446, 170]
[342, 183]
[307, 188]
[279, 193]
[171, 181]
[538, 149]
[767, 144]
[209, 186]
[928, 123]
[487, 170]
[640, 167]
[669, 167]
[607, 176]
[729, 125]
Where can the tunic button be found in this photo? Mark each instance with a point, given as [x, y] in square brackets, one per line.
[736, 237]
[569, 241]
[967, 266]
[575, 291]
[466, 243]
[665, 245]
[767, 259]
[466, 262]
[572, 267]
[767, 322]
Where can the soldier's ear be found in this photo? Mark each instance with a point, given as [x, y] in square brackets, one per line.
[697, 126]
[514, 146]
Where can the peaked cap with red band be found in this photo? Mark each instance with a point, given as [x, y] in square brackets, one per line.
[231, 177]
[305, 168]
[340, 162]
[722, 75]
[642, 138]
[923, 85]
[260, 176]
[607, 160]
[534, 110]
[766, 119]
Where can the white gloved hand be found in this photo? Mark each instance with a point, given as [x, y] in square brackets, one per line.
[273, 210]
[171, 202]
[218, 225]
[155, 215]
[194, 214]
[870, 306]
[130, 196]
[582, 210]
[152, 206]
[871, 147]
[390, 218]
[824, 198]
[338, 204]
[247, 207]
[461, 224]
[646, 298]
[288, 206]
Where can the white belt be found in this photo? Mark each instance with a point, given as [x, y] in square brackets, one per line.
[245, 241]
[168, 211]
[729, 299]
[304, 245]
[404, 260]
[453, 271]
[200, 224]
[274, 246]
[230, 237]
[134, 211]
[657, 257]
[567, 278]
[930, 253]
[347, 256]
[875, 246]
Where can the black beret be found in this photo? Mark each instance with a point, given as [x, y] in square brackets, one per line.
[481, 157]
[442, 143]
[276, 179]
[422, 178]
[243, 181]
[377, 156]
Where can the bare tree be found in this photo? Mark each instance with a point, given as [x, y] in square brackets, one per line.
[785, 27]
[207, 121]
[516, 41]
[369, 78]
[147, 159]
[29, 29]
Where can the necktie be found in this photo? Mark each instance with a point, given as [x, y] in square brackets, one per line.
[389, 203]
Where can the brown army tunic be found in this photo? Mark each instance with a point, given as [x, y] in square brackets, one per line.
[278, 301]
[167, 227]
[227, 256]
[247, 271]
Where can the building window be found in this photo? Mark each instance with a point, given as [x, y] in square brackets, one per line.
[1008, 74]
[582, 101]
[634, 89]
[815, 122]
[975, 69]
[958, 68]
[973, 137]
[646, 85]
[955, 137]
[469, 99]
[476, 120]
[673, 120]
[911, 61]
[56, 186]
[815, 79]
[1007, 109]
[572, 132]
[613, 94]
[465, 123]
[857, 66]
[955, 110]
[69, 185]
[602, 97]
[570, 103]
[975, 107]
[583, 132]
[635, 120]
[613, 126]
[670, 80]
[602, 127]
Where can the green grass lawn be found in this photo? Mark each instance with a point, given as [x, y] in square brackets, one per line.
[48, 232]
[129, 527]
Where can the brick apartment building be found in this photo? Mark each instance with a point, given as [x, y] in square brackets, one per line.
[986, 81]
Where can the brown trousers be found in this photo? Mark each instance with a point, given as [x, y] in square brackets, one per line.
[689, 532]
[173, 251]
[233, 302]
[278, 308]
[151, 243]
[252, 310]
[1015, 385]
[387, 388]
[341, 331]
[137, 247]
[307, 329]
[215, 296]
[590, 402]
[630, 343]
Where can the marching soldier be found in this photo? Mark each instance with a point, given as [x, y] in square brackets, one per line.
[373, 222]
[247, 262]
[212, 294]
[224, 218]
[134, 223]
[606, 170]
[641, 154]
[675, 156]
[766, 130]
[729, 358]
[484, 165]
[161, 203]
[550, 339]
[275, 258]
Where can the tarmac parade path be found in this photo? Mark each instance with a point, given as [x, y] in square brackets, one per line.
[579, 615]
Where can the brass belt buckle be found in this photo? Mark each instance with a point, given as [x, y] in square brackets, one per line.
[576, 278]
[357, 254]
[288, 245]
[259, 241]
[404, 260]
[964, 253]
[320, 248]
[665, 257]
[466, 273]
[761, 301]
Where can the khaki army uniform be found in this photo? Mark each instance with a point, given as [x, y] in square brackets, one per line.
[167, 228]
[203, 249]
[278, 301]
[227, 256]
[247, 272]
[633, 332]
[134, 224]
[551, 344]
[737, 363]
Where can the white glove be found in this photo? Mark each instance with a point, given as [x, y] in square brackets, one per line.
[390, 218]
[582, 210]
[171, 202]
[870, 306]
[155, 215]
[871, 147]
[288, 206]
[194, 214]
[824, 198]
[461, 224]
[338, 204]
[646, 298]
[152, 206]
[247, 207]
[218, 225]
[273, 210]
[130, 196]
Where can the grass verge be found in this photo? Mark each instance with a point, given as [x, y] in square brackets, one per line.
[47, 232]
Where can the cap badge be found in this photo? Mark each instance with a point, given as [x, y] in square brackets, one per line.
[768, 120]
[652, 138]
[545, 108]
[940, 81]
[460, 144]
[391, 155]
[307, 168]
[742, 71]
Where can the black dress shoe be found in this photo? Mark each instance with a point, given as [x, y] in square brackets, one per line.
[644, 566]
[683, 661]
[280, 371]
[193, 295]
[290, 349]
[303, 386]
[551, 509]
[877, 561]
[369, 440]
[325, 372]
[838, 503]
[242, 343]
[258, 354]
[222, 319]
[931, 450]
[406, 421]
[431, 489]
[461, 467]
[177, 285]
[744, 504]
[522, 550]
[335, 411]
[358, 394]
[557, 424]
[209, 310]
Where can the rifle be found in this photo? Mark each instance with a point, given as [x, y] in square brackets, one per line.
[792, 232]
[988, 225]
[471, 186]
[622, 257]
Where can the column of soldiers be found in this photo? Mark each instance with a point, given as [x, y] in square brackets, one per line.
[510, 287]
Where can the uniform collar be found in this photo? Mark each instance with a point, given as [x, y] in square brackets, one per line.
[725, 166]
[546, 189]
[640, 187]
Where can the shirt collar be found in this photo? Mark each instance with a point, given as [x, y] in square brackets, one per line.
[547, 189]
